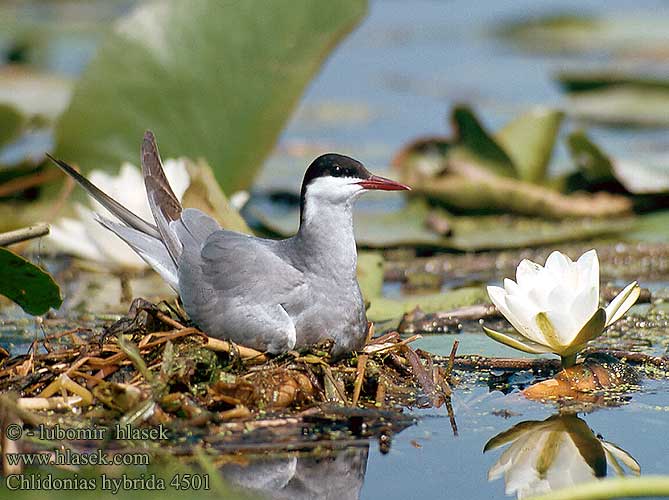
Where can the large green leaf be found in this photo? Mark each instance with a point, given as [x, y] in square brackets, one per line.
[27, 285]
[529, 140]
[214, 80]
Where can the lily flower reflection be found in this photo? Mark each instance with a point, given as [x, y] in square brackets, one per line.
[558, 452]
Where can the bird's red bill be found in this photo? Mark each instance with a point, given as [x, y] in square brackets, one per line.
[377, 182]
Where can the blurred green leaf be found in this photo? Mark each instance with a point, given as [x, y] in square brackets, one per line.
[370, 274]
[529, 140]
[214, 80]
[473, 143]
[647, 174]
[11, 122]
[590, 160]
[27, 285]
[622, 106]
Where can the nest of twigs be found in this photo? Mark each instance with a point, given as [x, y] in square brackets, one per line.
[151, 368]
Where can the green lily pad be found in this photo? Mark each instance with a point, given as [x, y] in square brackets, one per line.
[214, 80]
[11, 122]
[585, 79]
[652, 227]
[463, 178]
[392, 310]
[577, 32]
[622, 106]
[643, 175]
[475, 144]
[27, 285]
[408, 227]
[529, 140]
[370, 274]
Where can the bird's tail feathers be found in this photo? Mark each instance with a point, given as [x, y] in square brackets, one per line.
[165, 206]
[150, 249]
[107, 201]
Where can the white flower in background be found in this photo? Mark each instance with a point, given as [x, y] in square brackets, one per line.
[556, 453]
[86, 238]
[555, 308]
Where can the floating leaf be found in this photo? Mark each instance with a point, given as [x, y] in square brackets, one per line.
[474, 142]
[581, 80]
[370, 274]
[529, 140]
[648, 174]
[383, 309]
[214, 80]
[473, 190]
[407, 227]
[464, 178]
[622, 106]
[11, 122]
[582, 33]
[27, 285]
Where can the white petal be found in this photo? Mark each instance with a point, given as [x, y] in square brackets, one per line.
[622, 302]
[558, 263]
[69, 236]
[560, 315]
[177, 175]
[522, 318]
[115, 252]
[617, 453]
[497, 295]
[584, 305]
[526, 273]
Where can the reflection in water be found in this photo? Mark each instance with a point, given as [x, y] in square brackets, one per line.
[555, 453]
[331, 474]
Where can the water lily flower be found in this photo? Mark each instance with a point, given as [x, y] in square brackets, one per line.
[555, 453]
[555, 308]
[84, 237]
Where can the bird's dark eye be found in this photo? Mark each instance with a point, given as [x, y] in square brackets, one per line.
[337, 171]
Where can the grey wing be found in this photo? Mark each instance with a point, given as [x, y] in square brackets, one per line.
[235, 287]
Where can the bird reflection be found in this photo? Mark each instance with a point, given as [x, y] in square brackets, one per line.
[333, 474]
[554, 453]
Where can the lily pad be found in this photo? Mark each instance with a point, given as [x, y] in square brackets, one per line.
[408, 227]
[370, 274]
[529, 140]
[578, 32]
[27, 285]
[622, 106]
[383, 309]
[214, 80]
[645, 174]
[471, 172]
[11, 122]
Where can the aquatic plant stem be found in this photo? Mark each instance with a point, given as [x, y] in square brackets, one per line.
[568, 361]
[647, 486]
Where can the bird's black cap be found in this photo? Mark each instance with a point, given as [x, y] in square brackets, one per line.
[332, 165]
